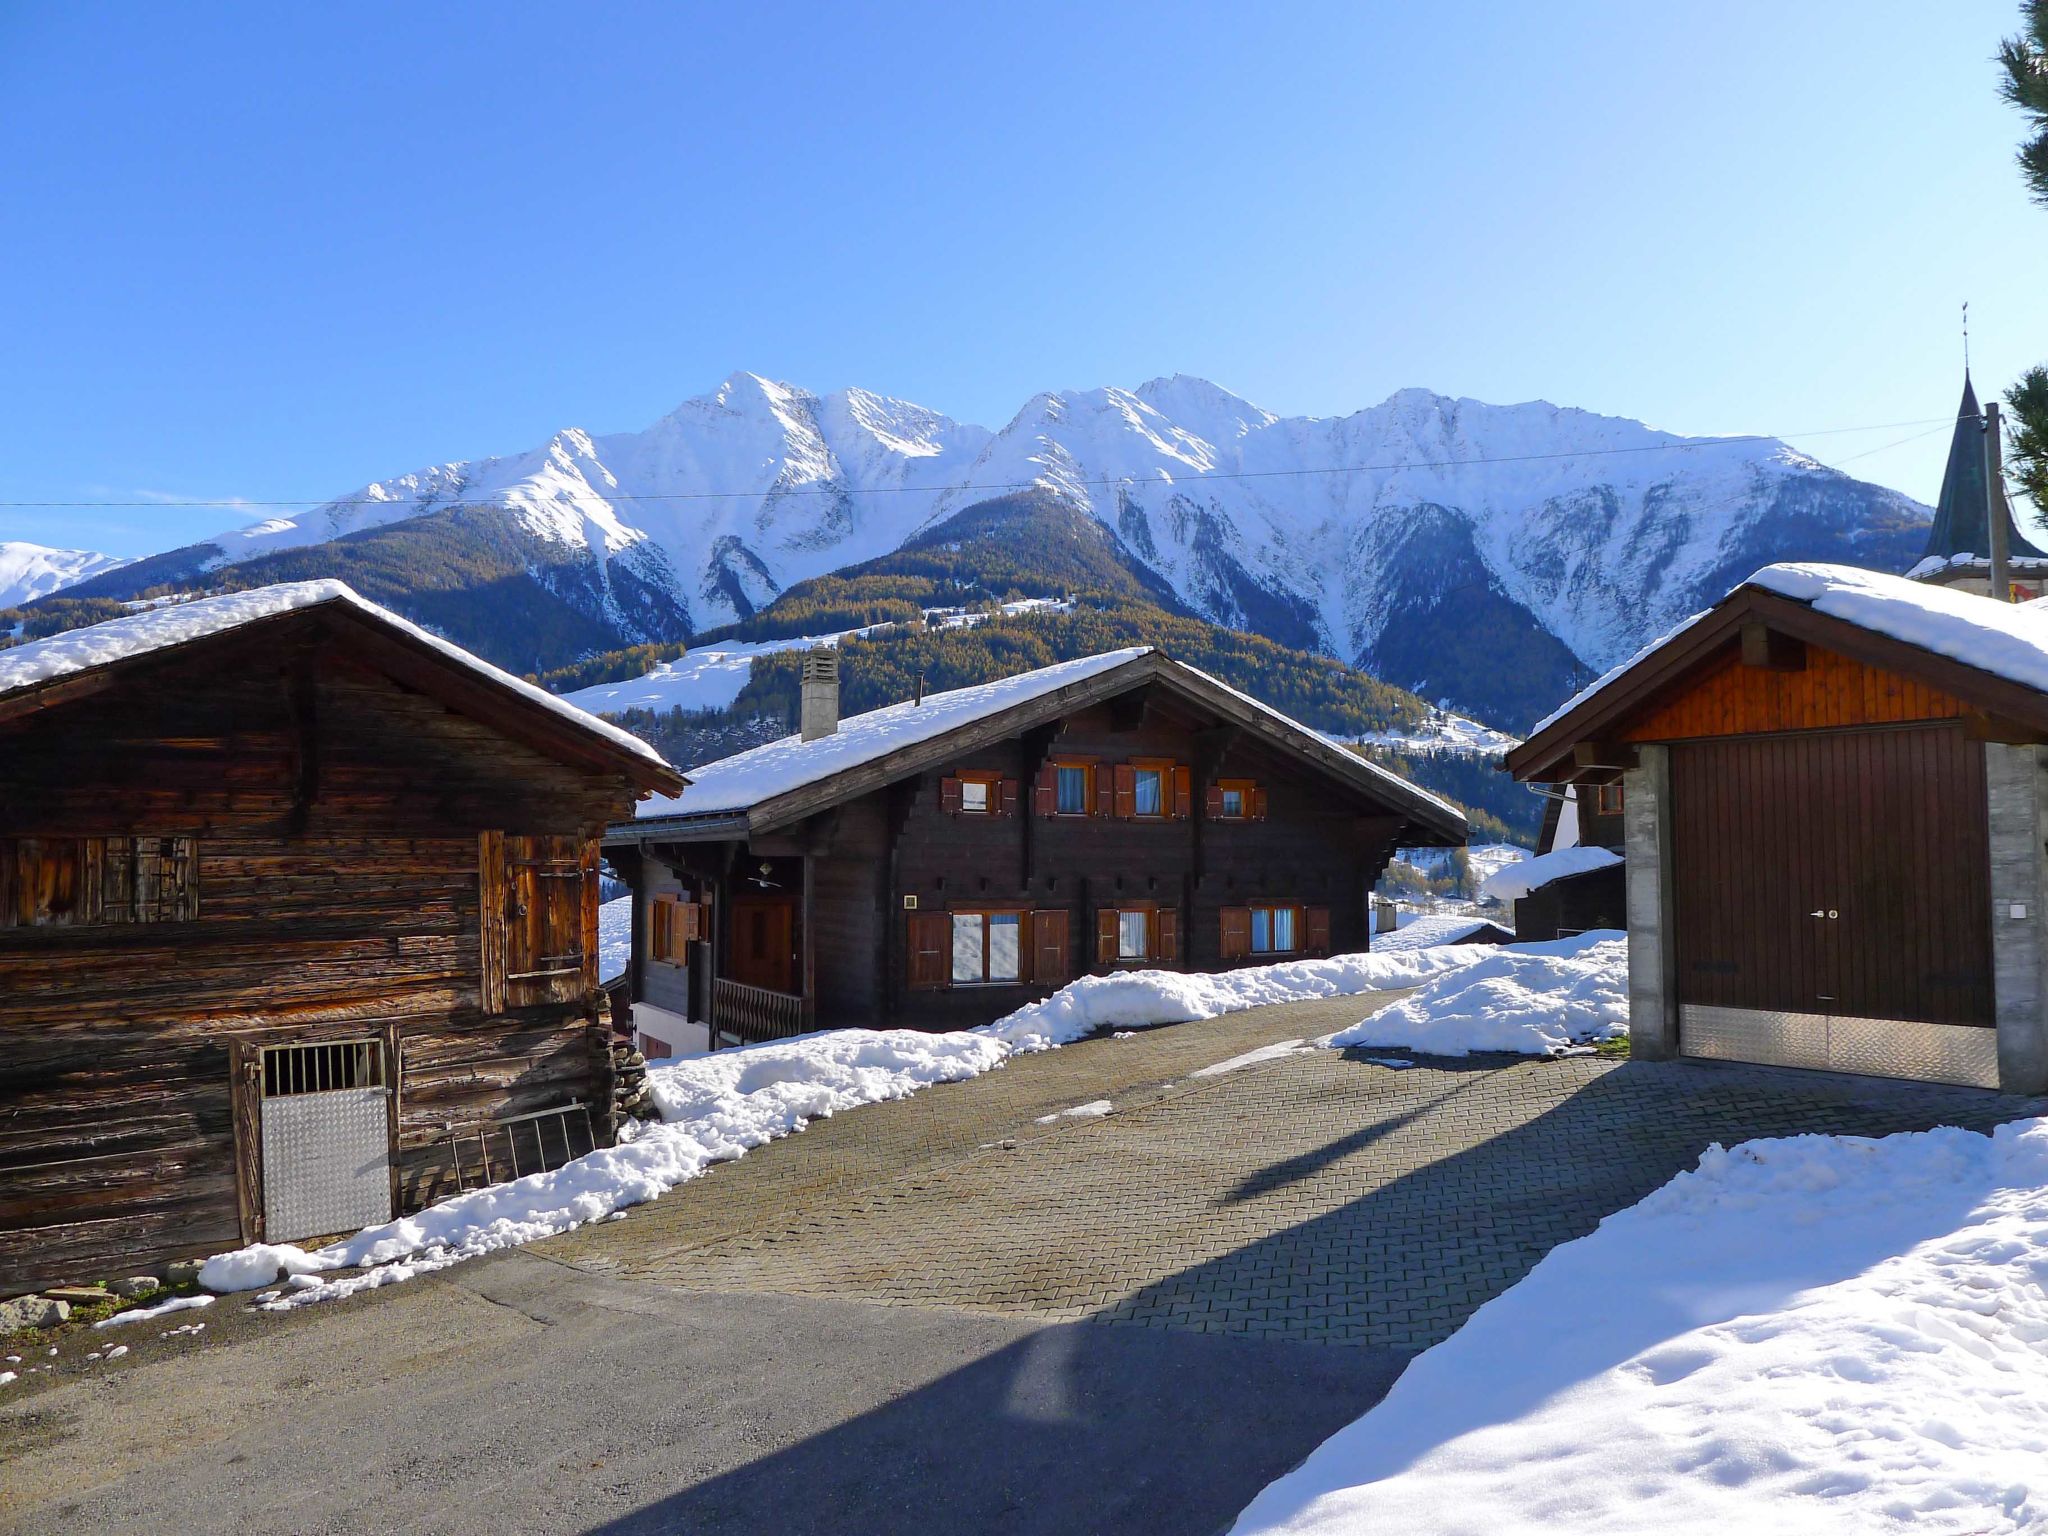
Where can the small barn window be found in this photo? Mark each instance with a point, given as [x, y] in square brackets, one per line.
[323, 1068]
[540, 919]
[1607, 799]
[91, 881]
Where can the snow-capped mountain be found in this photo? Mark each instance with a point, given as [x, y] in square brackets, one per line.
[1488, 555]
[29, 571]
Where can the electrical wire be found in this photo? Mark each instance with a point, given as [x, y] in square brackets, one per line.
[1194, 475]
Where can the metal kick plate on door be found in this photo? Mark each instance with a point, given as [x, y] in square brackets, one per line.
[1933, 1053]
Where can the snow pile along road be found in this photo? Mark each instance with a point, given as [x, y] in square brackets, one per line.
[717, 1106]
[1817, 1334]
[1539, 999]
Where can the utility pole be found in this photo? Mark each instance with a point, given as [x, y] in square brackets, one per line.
[1994, 507]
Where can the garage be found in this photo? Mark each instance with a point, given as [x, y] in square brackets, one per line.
[1832, 787]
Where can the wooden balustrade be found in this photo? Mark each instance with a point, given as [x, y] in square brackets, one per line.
[749, 1014]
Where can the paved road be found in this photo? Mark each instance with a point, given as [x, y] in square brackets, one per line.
[895, 1321]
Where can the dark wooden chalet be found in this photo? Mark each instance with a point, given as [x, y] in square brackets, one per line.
[297, 911]
[1835, 799]
[938, 863]
[1558, 900]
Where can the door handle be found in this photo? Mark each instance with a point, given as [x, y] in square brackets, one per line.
[1817, 912]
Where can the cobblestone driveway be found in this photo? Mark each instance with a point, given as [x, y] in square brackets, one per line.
[1315, 1196]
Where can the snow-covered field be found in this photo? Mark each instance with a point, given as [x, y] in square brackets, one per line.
[1816, 1334]
[718, 1105]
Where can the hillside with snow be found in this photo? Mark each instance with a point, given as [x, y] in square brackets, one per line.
[30, 571]
[1490, 556]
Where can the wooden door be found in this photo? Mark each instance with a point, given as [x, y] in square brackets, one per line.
[764, 943]
[1834, 872]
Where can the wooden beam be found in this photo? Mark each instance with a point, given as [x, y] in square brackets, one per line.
[1770, 649]
[1603, 754]
[1981, 726]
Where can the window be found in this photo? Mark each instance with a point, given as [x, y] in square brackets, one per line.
[1607, 799]
[1148, 797]
[1073, 790]
[673, 923]
[978, 794]
[1236, 800]
[1272, 930]
[987, 947]
[1233, 803]
[974, 796]
[1133, 936]
[1275, 929]
[62, 882]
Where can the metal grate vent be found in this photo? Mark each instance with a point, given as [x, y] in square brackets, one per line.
[324, 1068]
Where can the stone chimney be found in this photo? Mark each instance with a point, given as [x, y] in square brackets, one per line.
[820, 716]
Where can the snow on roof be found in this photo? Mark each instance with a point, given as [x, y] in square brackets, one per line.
[1514, 881]
[748, 778]
[762, 773]
[137, 634]
[2008, 640]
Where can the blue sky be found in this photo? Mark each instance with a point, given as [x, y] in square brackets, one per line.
[273, 252]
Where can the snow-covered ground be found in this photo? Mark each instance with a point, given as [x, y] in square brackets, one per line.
[1817, 1334]
[718, 1105]
[1442, 731]
[614, 938]
[711, 678]
[1541, 999]
[1427, 930]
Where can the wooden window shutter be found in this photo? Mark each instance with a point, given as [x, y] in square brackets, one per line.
[1045, 790]
[1105, 791]
[492, 898]
[694, 926]
[1237, 932]
[1006, 797]
[1105, 936]
[1212, 802]
[949, 796]
[661, 928]
[1258, 805]
[1168, 937]
[1051, 958]
[1315, 930]
[1183, 794]
[1126, 780]
[931, 938]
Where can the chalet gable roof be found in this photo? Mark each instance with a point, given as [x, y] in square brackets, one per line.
[784, 781]
[45, 673]
[1993, 656]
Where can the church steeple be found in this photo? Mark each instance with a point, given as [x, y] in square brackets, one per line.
[1962, 517]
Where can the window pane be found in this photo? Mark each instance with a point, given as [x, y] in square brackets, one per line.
[1233, 802]
[1003, 948]
[1073, 792]
[1283, 928]
[1148, 793]
[973, 796]
[1130, 936]
[967, 946]
[1262, 930]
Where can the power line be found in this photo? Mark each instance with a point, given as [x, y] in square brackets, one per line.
[1194, 475]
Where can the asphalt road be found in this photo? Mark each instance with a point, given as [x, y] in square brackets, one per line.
[518, 1394]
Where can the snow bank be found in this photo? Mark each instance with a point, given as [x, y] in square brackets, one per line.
[717, 1106]
[1427, 930]
[1816, 1334]
[1145, 998]
[1514, 881]
[1538, 999]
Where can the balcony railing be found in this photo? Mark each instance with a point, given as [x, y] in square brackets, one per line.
[744, 1015]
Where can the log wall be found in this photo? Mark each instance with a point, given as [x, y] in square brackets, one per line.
[337, 819]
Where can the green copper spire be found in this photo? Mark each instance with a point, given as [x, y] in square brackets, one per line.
[1962, 518]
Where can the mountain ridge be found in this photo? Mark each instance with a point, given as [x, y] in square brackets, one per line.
[1572, 536]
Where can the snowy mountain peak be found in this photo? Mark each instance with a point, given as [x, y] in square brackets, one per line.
[1487, 554]
[30, 571]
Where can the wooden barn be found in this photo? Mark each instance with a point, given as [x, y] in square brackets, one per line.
[297, 912]
[1835, 799]
[939, 862]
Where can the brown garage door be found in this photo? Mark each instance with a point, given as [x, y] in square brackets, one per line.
[1834, 873]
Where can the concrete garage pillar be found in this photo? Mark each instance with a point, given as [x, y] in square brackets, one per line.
[2016, 782]
[1646, 830]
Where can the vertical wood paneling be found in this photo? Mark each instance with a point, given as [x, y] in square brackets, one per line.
[1884, 828]
[1830, 692]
